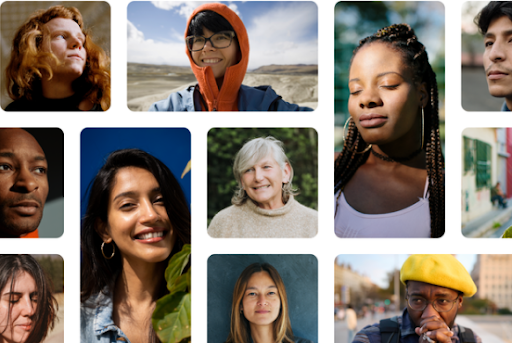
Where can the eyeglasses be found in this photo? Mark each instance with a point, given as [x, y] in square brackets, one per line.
[418, 303]
[220, 40]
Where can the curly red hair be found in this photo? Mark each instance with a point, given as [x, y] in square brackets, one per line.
[28, 61]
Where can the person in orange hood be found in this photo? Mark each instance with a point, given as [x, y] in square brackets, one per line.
[217, 46]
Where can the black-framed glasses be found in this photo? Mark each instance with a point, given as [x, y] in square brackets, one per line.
[219, 40]
[418, 303]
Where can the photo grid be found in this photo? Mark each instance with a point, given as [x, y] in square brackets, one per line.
[418, 91]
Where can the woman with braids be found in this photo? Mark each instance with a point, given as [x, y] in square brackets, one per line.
[389, 178]
[55, 65]
[137, 218]
[27, 307]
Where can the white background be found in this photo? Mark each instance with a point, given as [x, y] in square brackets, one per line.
[325, 246]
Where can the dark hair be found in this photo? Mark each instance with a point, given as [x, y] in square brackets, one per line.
[240, 331]
[401, 37]
[43, 320]
[493, 10]
[209, 19]
[98, 272]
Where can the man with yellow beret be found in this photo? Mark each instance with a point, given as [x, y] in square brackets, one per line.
[434, 287]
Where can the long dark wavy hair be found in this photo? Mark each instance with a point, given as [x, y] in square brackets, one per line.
[43, 320]
[402, 38]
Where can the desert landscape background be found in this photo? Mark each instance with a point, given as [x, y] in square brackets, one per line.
[148, 83]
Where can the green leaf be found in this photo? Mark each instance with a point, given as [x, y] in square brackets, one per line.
[181, 283]
[507, 233]
[176, 265]
[171, 318]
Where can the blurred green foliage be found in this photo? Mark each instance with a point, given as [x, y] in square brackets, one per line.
[301, 148]
[53, 266]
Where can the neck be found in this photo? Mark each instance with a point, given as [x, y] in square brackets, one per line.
[219, 80]
[262, 333]
[56, 88]
[270, 205]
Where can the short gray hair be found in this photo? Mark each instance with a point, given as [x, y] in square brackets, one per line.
[253, 151]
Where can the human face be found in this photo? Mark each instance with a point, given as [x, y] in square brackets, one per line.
[217, 59]
[67, 44]
[498, 57]
[263, 182]
[384, 103]
[261, 303]
[17, 307]
[137, 219]
[430, 293]
[23, 183]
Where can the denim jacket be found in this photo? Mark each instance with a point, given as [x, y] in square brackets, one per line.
[96, 322]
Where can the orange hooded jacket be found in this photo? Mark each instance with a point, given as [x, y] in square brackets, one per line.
[226, 98]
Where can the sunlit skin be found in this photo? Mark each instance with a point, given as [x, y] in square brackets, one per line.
[261, 305]
[217, 59]
[17, 308]
[263, 183]
[434, 324]
[139, 225]
[498, 58]
[385, 104]
[23, 182]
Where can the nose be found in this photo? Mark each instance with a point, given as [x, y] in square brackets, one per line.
[262, 300]
[497, 52]
[75, 42]
[148, 214]
[208, 46]
[258, 174]
[28, 307]
[429, 311]
[25, 181]
[370, 98]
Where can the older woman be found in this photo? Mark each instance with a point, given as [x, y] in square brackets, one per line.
[264, 204]
[217, 46]
[55, 65]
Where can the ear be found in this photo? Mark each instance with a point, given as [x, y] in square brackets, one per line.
[423, 93]
[103, 230]
[460, 302]
[287, 171]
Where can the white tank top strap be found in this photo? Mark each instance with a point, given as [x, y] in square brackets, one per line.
[425, 191]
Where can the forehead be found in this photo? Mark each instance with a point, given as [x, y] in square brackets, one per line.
[261, 278]
[13, 140]
[499, 25]
[23, 283]
[133, 179]
[427, 289]
[378, 57]
[63, 24]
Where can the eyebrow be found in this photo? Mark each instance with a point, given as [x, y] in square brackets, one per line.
[257, 287]
[11, 155]
[503, 33]
[134, 193]
[379, 76]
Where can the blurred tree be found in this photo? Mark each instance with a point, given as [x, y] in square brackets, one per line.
[301, 148]
[478, 306]
[53, 266]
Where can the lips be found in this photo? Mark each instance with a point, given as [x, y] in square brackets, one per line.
[25, 326]
[261, 187]
[151, 235]
[211, 60]
[372, 120]
[496, 74]
[26, 207]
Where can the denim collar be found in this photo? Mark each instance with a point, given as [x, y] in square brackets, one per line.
[504, 108]
[103, 321]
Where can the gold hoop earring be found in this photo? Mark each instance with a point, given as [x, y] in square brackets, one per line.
[422, 128]
[345, 128]
[113, 251]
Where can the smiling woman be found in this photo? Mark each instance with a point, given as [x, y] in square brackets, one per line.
[137, 218]
[264, 204]
[27, 306]
[56, 66]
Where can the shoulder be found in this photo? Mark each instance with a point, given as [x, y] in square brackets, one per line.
[21, 104]
[264, 98]
[178, 101]
[369, 334]
[301, 340]
[223, 222]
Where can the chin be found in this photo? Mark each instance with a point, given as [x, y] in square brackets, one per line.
[500, 92]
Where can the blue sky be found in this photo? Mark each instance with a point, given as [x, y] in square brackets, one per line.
[279, 32]
[376, 267]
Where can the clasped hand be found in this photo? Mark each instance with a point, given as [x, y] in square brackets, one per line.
[434, 329]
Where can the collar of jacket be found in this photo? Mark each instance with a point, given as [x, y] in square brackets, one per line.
[224, 99]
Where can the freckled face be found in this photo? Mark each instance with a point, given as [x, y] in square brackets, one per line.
[17, 307]
[261, 303]
[217, 59]
[67, 44]
[384, 102]
[137, 219]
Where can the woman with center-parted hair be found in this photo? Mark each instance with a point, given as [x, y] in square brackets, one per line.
[264, 204]
[217, 46]
[137, 218]
[259, 311]
[27, 306]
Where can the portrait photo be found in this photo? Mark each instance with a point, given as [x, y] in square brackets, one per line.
[55, 55]
[274, 297]
[262, 182]
[135, 224]
[31, 182]
[226, 56]
[389, 119]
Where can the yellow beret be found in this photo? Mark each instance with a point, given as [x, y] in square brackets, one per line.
[440, 270]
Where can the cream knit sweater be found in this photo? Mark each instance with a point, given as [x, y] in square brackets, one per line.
[250, 221]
